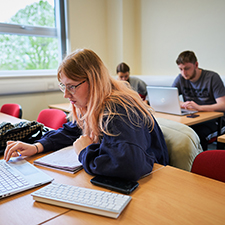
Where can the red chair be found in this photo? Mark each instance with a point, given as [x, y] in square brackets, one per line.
[12, 109]
[142, 96]
[52, 118]
[210, 163]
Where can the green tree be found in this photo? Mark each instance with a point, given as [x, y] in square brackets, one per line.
[30, 52]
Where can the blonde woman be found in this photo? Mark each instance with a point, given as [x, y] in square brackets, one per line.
[113, 131]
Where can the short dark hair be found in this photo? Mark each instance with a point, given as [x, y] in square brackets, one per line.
[123, 68]
[186, 57]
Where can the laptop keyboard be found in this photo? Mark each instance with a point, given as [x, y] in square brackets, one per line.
[186, 111]
[9, 180]
[83, 199]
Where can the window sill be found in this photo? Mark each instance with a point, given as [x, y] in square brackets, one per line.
[24, 82]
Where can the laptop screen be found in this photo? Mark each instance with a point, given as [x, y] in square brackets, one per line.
[166, 100]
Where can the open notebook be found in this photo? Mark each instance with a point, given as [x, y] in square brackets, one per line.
[18, 175]
[64, 159]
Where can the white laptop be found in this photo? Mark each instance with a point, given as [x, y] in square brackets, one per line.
[18, 175]
[166, 100]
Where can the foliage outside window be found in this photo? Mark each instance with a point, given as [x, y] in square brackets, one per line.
[28, 40]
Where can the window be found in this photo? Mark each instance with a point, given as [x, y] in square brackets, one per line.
[32, 35]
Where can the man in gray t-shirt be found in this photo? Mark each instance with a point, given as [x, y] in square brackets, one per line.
[202, 90]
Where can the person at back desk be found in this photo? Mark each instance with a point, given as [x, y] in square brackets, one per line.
[123, 72]
[113, 131]
[202, 90]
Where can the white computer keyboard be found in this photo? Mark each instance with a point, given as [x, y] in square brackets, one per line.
[9, 180]
[83, 199]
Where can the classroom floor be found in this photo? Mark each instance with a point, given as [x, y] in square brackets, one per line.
[212, 146]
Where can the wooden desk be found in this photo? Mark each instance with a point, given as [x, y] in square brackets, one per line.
[168, 196]
[203, 117]
[221, 138]
[22, 209]
[66, 107]
[7, 118]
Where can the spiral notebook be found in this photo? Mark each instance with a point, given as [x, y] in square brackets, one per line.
[64, 159]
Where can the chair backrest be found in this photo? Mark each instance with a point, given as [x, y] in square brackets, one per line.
[142, 96]
[53, 118]
[182, 142]
[12, 109]
[210, 163]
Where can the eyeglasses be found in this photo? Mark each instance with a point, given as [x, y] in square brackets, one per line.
[70, 88]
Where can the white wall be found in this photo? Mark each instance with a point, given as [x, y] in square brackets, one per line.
[149, 34]
[114, 36]
[172, 26]
[131, 45]
[109, 27]
[87, 26]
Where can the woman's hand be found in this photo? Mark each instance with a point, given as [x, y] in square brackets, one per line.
[23, 148]
[81, 143]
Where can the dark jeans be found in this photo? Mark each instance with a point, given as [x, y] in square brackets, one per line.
[205, 129]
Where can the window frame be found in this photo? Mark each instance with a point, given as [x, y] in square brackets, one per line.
[59, 31]
[27, 30]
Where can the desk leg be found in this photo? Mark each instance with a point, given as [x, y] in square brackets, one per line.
[219, 144]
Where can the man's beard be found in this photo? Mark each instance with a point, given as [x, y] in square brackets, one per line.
[193, 75]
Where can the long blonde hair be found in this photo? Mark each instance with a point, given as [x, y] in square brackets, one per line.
[105, 94]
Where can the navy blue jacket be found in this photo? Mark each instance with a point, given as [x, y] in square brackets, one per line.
[130, 154]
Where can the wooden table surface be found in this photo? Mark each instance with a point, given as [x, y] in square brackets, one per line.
[7, 118]
[221, 138]
[22, 209]
[168, 196]
[66, 107]
[203, 117]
